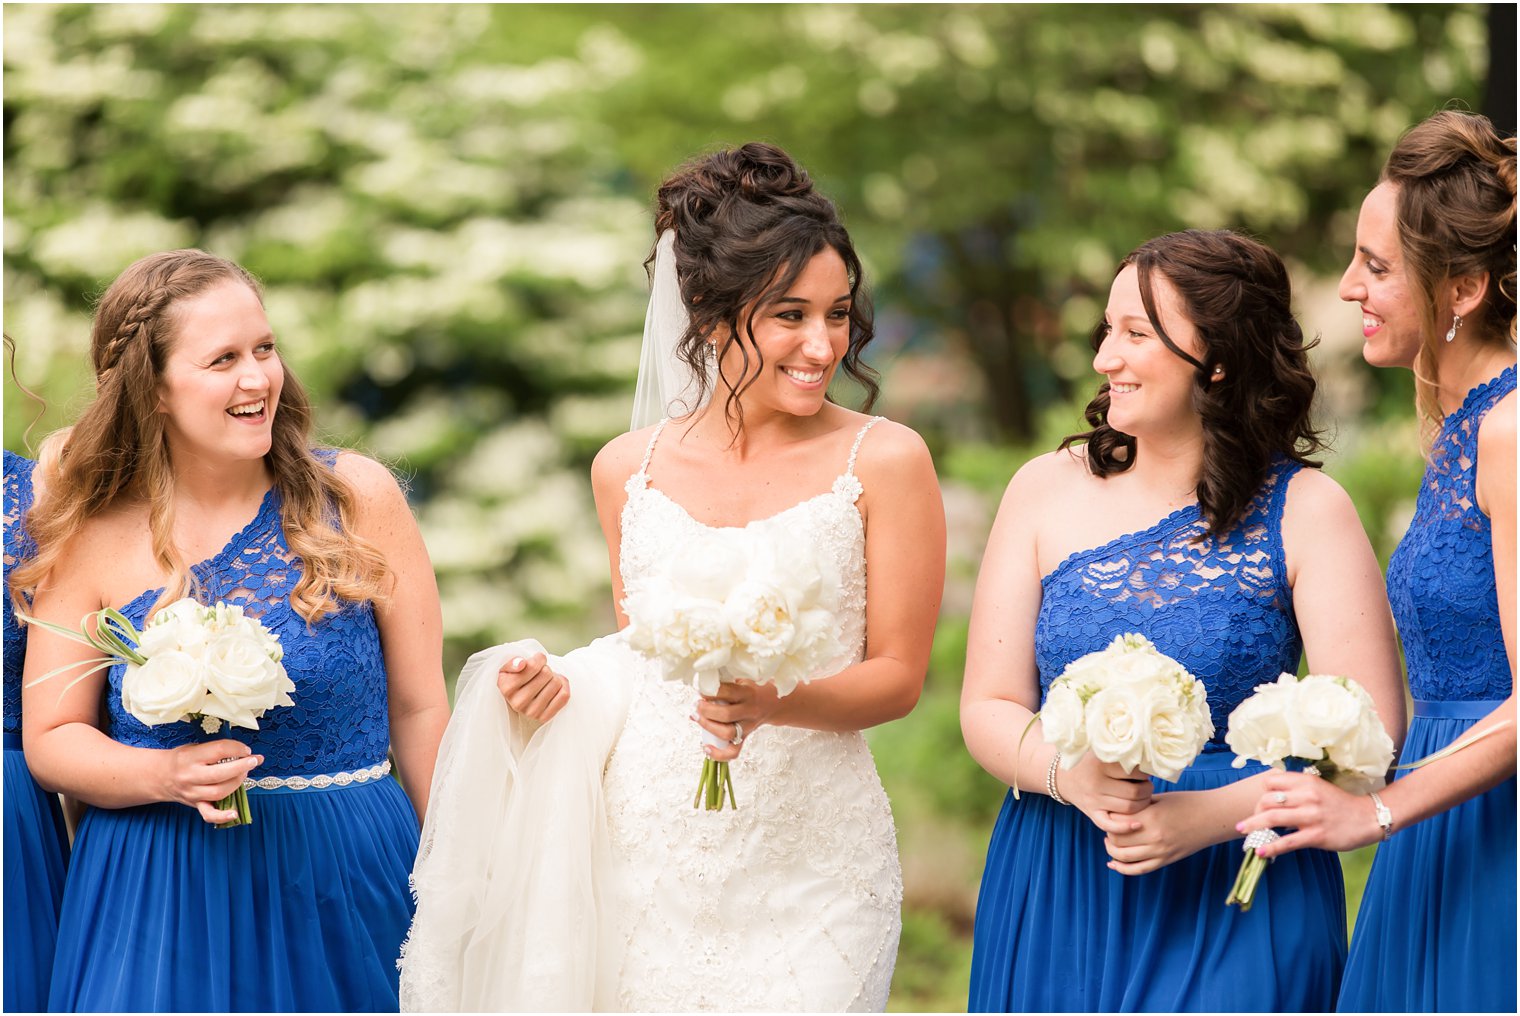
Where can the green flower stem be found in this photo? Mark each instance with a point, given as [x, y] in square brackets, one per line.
[715, 788]
[1244, 892]
[237, 800]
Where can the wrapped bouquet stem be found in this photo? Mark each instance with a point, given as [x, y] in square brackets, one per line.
[737, 607]
[191, 663]
[1326, 722]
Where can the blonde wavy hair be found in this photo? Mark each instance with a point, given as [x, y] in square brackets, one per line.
[117, 453]
[1455, 176]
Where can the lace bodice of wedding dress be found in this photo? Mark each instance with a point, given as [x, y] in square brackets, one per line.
[791, 901]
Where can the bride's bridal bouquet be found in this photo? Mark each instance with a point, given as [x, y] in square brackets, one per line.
[1128, 703]
[192, 663]
[738, 605]
[1326, 722]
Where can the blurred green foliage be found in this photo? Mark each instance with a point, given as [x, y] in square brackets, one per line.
[449, 205]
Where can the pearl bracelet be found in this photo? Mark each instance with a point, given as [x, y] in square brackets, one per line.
[1050, 781]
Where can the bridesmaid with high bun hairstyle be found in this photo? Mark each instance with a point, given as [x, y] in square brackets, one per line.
[1434, 274]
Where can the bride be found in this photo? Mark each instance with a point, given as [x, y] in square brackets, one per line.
[563, 865]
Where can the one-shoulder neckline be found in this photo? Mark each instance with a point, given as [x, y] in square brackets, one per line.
[1187, 511]
[234, 545]
[1477, 393]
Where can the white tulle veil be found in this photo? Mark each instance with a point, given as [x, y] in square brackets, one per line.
[666, 385]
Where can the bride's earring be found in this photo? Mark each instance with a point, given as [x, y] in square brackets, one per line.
[1456, 322]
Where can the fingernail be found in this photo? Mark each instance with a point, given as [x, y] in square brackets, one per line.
[1261, 851]
[707, 750]
[1240, 827]
[517, 663]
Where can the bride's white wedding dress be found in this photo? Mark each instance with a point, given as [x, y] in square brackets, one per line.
[791, 902]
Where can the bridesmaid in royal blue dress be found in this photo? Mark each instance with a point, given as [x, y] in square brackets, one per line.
[191, 473]
[1104, 892]
[1434, 273]
[36, 841]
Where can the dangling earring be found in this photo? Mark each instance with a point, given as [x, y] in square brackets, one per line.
[1456, 322]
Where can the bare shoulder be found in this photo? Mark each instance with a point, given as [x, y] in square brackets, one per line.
[1050, 477]
[619, 459]
[892, 451]
[1496, 434]
[1315, 495]
[371, 481]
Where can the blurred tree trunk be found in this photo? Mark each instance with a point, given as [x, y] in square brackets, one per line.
[1499, 93]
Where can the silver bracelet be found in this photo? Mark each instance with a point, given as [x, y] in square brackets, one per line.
[1382, 814]
[1050, 781]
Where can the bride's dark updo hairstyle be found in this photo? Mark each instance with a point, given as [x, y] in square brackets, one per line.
[747, 221]
[1237, 294]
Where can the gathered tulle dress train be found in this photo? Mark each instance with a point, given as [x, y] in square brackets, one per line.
[1056, 930]
[791, 902]
[36, 840]
[304, 909]
[1436, 928]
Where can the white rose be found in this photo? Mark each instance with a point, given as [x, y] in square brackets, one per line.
[1361, 758]
[1116, 725]
[1258, 728]
[1174, 737]
[180, 627]
[166, 689]
[1321, 711]
[1061, 718]
[242, 681]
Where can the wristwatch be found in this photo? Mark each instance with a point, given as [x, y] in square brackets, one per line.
[1384, 816]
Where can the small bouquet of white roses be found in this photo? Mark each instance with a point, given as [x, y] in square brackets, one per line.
[737, 605]
[211, 665]
[1325, 721]
[1128, 703]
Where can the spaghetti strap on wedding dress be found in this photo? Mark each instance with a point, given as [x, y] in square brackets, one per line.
[590, 881]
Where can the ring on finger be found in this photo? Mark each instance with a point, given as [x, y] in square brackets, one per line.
[738, 737]
[1280, 797]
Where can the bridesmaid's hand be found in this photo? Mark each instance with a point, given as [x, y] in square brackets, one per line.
[1320, 813]
[1104, 792]
[531, 688]
[737, 711]
[199, 775]
[1172, 828]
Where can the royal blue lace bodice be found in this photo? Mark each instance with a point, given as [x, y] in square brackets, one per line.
[340, 721]
[1220, 606]
[1441, 576]
[18, 547]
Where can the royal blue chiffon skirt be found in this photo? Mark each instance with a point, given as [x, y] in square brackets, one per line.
[36, 860]
[304, 910]
[1056, 931]
[1436, 928]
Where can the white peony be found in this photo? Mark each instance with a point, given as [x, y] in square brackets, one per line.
[168, 688]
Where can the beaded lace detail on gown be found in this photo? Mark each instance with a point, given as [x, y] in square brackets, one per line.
[1441, 576]
[792, 901]
[1220, 606]
[339, 722]
[18, 547]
